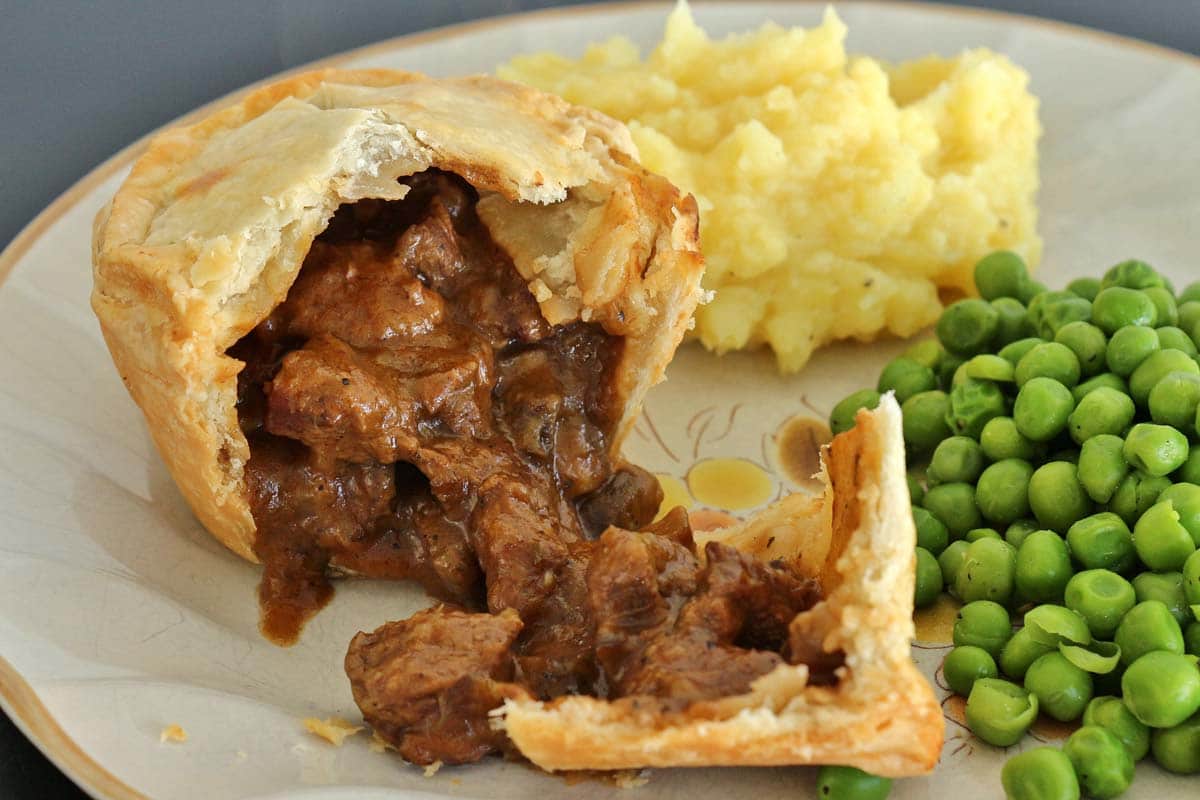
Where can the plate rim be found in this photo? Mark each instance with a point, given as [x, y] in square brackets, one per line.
[18, 698]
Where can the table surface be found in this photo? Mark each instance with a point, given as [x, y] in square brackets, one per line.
[82, 80]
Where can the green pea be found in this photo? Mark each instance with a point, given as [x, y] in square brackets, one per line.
[928, 579]
[842, 417]
[1147, 627]
[983, 624]
[1012, 321]
[1135, 494]
[1129, 347]
[1000, 712]
[951, 561]
[988, 571]
[1132, 274]
[1062, 689]
[1177, 749]
[1048, 360]
[1156, 450]
[1087, 288]
[1190, 471]
[1156, 367]
[927, 352]
[1117, 307]
[1088, 343]
[958, 459]
[1013, 352]
[1105, 380]
[1190, 581]
[1054, 625]
[1042, 409]
[1190, 292]
[1162, 689]
[1058, 312]
[988, 367]
[1112, 715]
[1002, 493]
[931, 533]
[966, 327]
[1000, 274]
[1172, 338]
[1021, 650]
[1102, 410]
[850, 783]
[1043, 773]
[924, 421]
[948, 368]
[906, 377]
[1000, 439]
[954, 505]
[1191, 639]
[1020, 530]
[1043, 567]
[972, 404]
[916, 491]
[1166, 311]
[1167, 588]
[975, 534]
[1161, 542]
[1056, 496]
[1102, 541]
[966, 664]
[1189, 315]
[1101, 762]
[1031, 290]
[1102, 466]
[1102, 598]
[1174, 399]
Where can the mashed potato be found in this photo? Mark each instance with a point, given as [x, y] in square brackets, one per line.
[837, 194]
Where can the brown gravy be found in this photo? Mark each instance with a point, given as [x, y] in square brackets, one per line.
[411, 415]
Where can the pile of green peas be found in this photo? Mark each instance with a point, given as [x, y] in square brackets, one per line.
[1053, 443]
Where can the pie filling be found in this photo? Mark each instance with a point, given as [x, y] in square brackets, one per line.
[411, 415]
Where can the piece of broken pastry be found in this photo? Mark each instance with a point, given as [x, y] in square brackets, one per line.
[395, 327]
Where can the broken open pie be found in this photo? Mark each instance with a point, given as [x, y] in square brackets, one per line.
[397, 327]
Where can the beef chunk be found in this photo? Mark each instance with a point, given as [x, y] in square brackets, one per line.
[667, 628]
[426, 684]
[418, 541]
[629, 499]
[306, 509]
[369, 405]
[363, 294]
[635, 583]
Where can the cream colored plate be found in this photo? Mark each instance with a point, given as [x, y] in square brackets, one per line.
[119, 615]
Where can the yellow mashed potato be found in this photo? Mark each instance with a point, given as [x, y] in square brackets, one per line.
[837, 194]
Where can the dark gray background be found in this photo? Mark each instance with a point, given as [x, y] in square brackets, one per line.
[80, 80]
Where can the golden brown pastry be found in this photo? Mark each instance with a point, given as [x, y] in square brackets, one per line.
[209, 231]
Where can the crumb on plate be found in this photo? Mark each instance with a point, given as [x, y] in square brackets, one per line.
[333, 730]
[173, 733]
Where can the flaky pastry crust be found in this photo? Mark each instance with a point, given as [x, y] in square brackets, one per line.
[858, 541]
[208, 232]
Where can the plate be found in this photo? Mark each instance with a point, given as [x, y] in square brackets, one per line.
[120, 616]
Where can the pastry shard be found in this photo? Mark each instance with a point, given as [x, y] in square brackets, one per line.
[857, 541]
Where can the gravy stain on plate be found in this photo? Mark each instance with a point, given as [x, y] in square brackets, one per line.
[734, 484]
[935, 623]
[798, 443]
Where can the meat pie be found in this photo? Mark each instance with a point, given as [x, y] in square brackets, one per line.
[395, 327]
